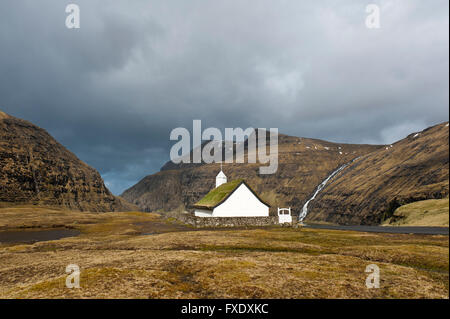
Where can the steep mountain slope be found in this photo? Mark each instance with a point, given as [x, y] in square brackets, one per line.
[36, 169]
[303, 164]
[369, 190]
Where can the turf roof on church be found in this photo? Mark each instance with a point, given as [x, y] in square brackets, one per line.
[218, 194]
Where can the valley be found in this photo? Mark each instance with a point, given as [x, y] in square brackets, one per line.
[373, 180]
[56, 211]
[348, 184]
[117, 261]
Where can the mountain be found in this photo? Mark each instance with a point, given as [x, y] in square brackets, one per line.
[377, 180]
[302, 164]
[368, 191]
[36, 169]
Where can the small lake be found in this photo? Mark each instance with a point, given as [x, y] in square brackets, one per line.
[32, 236]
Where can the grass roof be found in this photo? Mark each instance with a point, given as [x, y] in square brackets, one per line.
[218, 194]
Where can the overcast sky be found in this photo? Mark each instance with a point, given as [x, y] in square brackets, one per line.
[113, 90]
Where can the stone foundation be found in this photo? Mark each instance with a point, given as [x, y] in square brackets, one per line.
[200, 222]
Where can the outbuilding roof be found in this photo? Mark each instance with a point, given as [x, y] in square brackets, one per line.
[220, 194]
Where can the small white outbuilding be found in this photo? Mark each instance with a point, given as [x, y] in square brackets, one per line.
[233, 199]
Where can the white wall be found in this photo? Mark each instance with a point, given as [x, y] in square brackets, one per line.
[203, 213]
[220, 179]
[284, 215]
[242, 203]
[284, 219]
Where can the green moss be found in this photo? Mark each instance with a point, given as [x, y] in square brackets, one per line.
[218, 194]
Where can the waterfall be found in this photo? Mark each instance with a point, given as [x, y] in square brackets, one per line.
[319, 188]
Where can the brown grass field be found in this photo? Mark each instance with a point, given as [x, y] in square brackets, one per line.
[175, 261]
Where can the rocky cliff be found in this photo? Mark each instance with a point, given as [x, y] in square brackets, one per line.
[36, 169]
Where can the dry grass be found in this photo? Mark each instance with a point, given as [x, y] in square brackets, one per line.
[432, 212]
[93, 224]
[256, 263]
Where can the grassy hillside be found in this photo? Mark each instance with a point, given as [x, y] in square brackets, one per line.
[368, 191]
[36, 169]
[432, 212]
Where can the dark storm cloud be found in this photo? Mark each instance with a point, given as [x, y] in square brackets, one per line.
[113, 90]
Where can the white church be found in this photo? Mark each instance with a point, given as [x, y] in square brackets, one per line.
[231, 199]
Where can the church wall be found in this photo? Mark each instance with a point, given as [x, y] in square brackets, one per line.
[203, 213]
[242, 203]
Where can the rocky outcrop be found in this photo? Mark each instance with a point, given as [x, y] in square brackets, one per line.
[36, 169]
